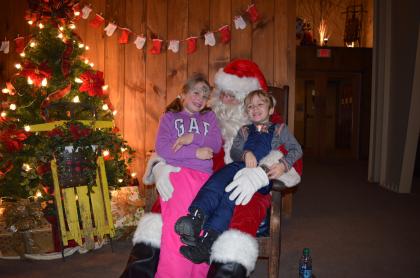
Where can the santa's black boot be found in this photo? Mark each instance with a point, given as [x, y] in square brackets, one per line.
[201, 252]
[142, 263]
[234, 255]
[227, 270]
[144, 256]
[189, 227]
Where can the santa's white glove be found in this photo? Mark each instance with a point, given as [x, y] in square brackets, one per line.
[164, 186]
[245, 183]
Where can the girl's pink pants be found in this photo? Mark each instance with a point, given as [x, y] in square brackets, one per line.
[172, 264]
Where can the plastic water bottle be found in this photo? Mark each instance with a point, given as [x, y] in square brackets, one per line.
[305, 264]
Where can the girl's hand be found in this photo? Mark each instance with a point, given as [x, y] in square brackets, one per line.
[204, 153]
[250, 160]
[185, 139]
[276, 170]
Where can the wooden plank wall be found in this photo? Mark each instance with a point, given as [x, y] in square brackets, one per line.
[141, 84]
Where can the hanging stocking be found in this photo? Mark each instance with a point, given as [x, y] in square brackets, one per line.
[97, 21]
[110, 29]
[20, 44]
[225, 33]
[140, 41]
[5, 46]
[86, 12]
[156, 46]
[174, 46]
[253, 13]
[191, 45]
[239, 22]
[125, 34]
[209, 39]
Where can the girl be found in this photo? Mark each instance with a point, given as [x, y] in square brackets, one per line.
[188, 136]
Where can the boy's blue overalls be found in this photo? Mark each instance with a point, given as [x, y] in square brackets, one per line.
[212, 199]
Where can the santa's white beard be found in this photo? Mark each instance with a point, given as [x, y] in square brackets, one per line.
[231, 119]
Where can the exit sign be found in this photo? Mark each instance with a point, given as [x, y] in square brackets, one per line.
[323, 53]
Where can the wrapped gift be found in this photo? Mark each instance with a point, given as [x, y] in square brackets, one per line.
[127, 208]
[23, 229]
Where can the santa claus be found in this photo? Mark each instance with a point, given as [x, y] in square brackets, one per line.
[235, 252]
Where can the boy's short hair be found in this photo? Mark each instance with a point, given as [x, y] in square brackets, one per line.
[265, 96]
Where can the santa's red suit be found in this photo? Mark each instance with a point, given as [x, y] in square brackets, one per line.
[237, 248]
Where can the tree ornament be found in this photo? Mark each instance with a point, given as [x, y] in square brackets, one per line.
[10, 88]
[5, 46]
[156, 46]
[110, 29]
[36, 73]
[225, 33]
[86, 11]
[125, 34]
[191, 45]
[239, 22]
[174, 46]
[92, 83]
[60, 93]
[209, 39]
[13, 138]
[19, 44]
[77, 12]
[253, 13]
[140, 41]
[65, 59]
[97, 21]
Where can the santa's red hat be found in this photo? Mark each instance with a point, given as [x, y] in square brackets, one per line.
[240, 77]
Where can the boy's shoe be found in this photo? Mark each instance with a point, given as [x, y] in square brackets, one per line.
[189, 227]
[201, 252]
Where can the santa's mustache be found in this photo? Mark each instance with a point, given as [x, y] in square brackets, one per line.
[231, 117]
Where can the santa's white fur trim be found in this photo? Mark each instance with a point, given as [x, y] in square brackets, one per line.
[235, 246]
[148, 177]
[149, 230]
[241, 86]
[290, 178]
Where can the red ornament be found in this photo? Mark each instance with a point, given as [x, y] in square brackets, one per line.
[36, 73]
[225, 33]
[253, 13]
[77, 11]
[191, 45]
[125, 34]
[65, 59]
[156, 46]
[97, 21]
[56, 132]
[92, 83]
[19, 44]
[13, 139]
[78, 132]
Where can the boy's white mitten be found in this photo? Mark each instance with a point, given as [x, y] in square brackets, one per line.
[246, 182]
[164, 186]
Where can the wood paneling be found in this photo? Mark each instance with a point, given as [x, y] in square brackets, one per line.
[135, 84]
[176, 62]
[114, 68]
[263, 39]
[198, 23]
[219, 54]
[141, 84]
[241, 44]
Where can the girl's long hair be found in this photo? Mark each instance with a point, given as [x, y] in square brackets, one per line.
[176, 105]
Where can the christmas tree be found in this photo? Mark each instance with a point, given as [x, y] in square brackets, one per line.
[56, 86]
